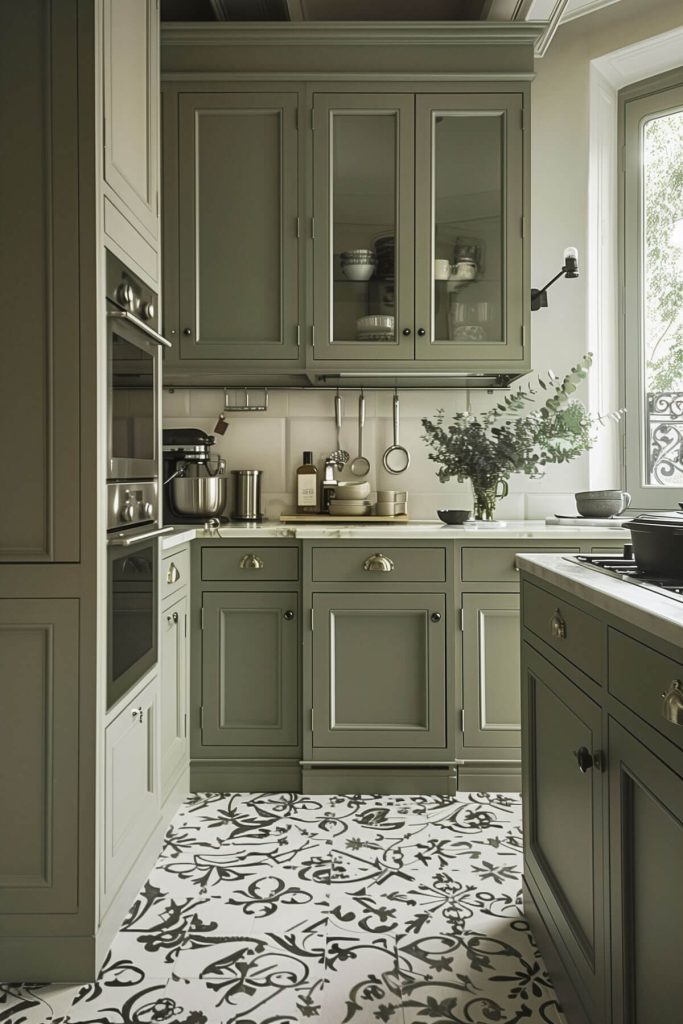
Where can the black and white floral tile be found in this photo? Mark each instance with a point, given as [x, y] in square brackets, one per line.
[281, 908]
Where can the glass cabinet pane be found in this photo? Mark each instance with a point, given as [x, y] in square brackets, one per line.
[363, 237]
[363, 171]
[470, 260]
[467, 288]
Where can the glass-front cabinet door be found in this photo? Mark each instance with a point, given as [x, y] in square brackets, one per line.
[470, 277]
[363, 227]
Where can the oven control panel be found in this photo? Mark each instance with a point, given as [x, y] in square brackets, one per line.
[131, 503]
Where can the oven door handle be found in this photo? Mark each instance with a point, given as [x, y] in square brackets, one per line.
[141, 326]
[126, 542]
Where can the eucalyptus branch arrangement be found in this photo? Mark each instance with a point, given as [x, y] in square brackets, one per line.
[507, 438]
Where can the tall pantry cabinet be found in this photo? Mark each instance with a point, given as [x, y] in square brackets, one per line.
[69, 184]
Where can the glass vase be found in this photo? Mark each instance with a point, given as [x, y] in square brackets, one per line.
[486, 494]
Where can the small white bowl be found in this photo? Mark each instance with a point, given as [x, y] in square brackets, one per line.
[350, 489]
[358, 271]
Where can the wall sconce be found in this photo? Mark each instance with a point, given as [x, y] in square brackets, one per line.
[539, 296]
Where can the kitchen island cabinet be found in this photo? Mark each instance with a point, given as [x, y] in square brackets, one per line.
[603, 791]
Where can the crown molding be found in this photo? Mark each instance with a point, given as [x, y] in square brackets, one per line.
[340, 33]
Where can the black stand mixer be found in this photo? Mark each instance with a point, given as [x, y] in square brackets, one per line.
[195, 487]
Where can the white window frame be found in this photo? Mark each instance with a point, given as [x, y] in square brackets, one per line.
[637, 104]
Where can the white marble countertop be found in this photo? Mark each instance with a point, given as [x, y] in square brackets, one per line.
[656, 613]
[524, 529]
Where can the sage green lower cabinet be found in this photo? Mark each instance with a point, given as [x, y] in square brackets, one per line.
[491, 681]
[39, 694]
[173, 695]
[250, 671]
[646, 854]
[379, 674]
[563, 821]
[131, 783]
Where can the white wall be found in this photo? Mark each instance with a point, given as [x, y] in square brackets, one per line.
[561, 215]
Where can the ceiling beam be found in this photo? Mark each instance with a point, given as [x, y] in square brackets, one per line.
[505, 10]
[546, 36]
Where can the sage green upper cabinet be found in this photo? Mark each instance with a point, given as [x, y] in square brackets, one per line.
[235, 300]
[363, 200]
[469, 211]
[418, 204]
[131, 128]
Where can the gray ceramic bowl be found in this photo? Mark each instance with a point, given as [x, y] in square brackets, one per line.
[453, 516]
[601, 504]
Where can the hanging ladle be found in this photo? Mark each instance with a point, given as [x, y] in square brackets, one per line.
[360, 465]
[396, 458]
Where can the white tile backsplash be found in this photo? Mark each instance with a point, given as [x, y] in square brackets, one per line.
[299, 420]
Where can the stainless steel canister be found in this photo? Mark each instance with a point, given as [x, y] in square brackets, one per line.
[246, 494]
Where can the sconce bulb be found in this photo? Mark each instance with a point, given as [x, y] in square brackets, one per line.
[571, 261]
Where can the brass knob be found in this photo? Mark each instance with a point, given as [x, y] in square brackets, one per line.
[250, 562]
[672, 706]
[378, 563]
[558, 627]
[173, 574]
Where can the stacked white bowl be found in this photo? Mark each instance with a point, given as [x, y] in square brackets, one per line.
[351, 499]
[358, 264]
[392, 503]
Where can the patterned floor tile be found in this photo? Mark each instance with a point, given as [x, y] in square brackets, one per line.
[279, 908]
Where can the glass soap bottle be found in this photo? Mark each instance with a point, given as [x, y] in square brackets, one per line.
[307, 485]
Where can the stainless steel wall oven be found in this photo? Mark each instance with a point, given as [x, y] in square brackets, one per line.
[134, 348]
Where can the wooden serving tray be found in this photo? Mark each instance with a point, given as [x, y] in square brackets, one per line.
[295, 517]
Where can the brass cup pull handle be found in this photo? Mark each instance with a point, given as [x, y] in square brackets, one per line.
[139, 714]
[672, 703]
[173, 574]
[173, 618]
[378, 563]
[251, 562]
[558, 627]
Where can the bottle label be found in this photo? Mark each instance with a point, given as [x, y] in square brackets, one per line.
[306, 490]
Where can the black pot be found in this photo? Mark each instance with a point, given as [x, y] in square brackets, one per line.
[658, 543]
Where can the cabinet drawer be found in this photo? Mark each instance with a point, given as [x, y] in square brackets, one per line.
[499, 565]
[250, 563]
[175, 572]
[575, 634]
[379, 564]
[641, 678]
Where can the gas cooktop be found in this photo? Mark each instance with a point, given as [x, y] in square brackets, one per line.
[624, 567]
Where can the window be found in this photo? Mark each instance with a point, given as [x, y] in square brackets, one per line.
[652, 126]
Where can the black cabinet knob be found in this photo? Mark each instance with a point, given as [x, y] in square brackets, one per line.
[421, 332]
[436, 616]
[289, 616]
[584, 759]
[406, 331]
[188, 330]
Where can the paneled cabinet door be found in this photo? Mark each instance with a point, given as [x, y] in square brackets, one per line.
[469, 190]
[250, 673]
[131, 110]
[238, 226]
[173, 693]
[646, 853]
[379, 672]
[363, 182]
[562, 793]
[490, 670]
[131, 785]
[39, 750]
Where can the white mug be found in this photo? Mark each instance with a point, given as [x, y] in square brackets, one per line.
[442, 270]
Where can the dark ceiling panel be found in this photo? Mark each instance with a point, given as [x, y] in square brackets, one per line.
[324, 10]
